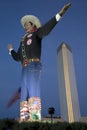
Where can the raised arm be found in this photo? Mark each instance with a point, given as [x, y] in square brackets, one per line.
[46, 28]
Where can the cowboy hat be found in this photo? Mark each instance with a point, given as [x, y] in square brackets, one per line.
[31, 18]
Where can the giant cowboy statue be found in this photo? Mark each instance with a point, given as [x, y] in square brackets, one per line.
[29, 54]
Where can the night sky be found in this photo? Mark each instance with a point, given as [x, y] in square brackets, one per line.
[71, 29]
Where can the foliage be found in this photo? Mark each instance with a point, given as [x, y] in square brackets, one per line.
[15, 125]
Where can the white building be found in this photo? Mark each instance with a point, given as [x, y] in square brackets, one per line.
[69, 104]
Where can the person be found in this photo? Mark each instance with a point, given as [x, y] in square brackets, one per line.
[29, 54]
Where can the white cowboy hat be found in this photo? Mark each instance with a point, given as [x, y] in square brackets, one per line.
[31, 18]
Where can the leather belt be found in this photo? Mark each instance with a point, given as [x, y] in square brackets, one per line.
[27, 61]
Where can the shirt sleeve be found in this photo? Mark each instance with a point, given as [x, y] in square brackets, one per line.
[47, 28]
[58, 17]
[10, 51]
[15, 55]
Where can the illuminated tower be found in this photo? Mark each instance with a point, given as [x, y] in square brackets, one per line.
[69, 104]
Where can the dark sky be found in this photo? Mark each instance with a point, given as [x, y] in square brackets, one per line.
[71, 29]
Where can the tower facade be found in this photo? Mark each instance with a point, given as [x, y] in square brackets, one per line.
[69, 104]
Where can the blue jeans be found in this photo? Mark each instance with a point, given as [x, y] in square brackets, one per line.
[30, 82]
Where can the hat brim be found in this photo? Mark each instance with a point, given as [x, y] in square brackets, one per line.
[31, 18]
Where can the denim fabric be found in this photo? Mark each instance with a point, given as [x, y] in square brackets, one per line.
[30, 80]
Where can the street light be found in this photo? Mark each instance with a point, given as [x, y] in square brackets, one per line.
[51, 111]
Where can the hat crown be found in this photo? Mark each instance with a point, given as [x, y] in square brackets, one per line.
[31, 18]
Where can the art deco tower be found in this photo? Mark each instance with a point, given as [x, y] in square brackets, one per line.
[69, 104]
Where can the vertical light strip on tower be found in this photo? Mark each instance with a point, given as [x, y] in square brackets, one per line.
[67, 84]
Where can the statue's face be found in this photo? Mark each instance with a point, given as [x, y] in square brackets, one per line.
[28, 27]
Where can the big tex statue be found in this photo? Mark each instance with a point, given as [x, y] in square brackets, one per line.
[29, 54]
